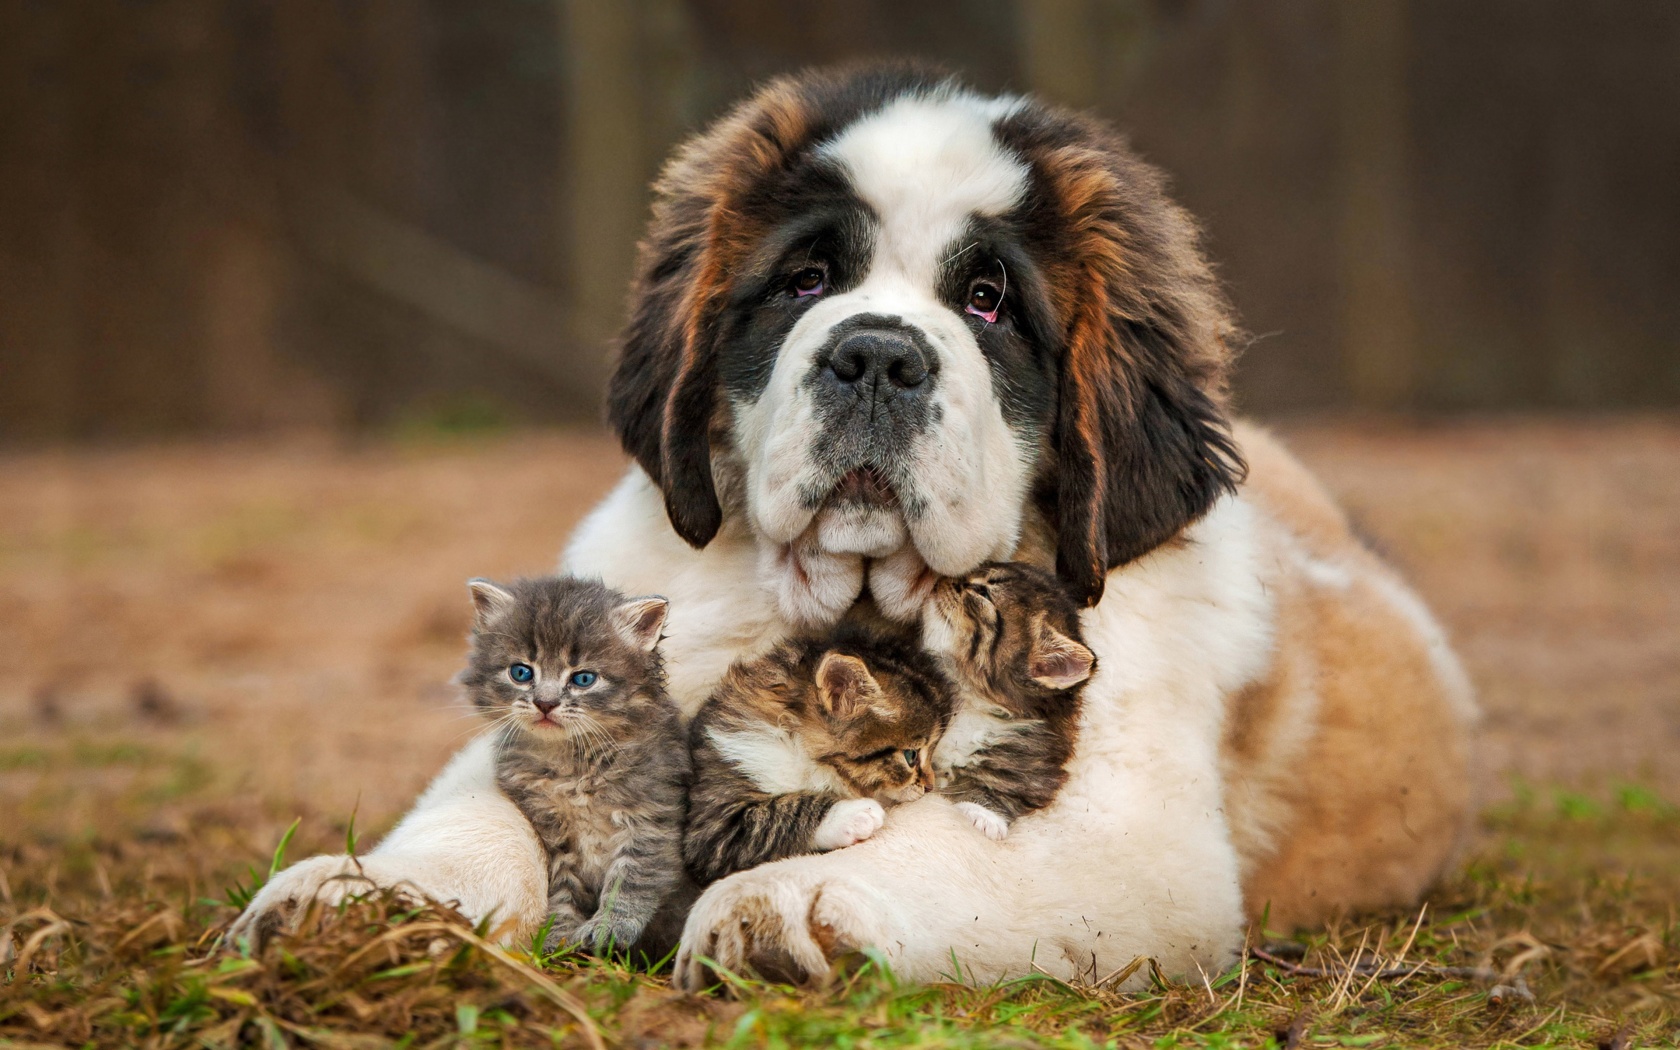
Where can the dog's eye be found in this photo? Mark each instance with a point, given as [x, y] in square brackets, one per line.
[983, 301]
[809, 281]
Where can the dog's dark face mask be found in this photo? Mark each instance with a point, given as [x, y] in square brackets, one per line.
[880, 319]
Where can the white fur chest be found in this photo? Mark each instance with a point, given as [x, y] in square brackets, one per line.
[973, 728]
[773, 760]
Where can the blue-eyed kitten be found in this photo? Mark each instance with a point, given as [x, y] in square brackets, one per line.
[591, 749]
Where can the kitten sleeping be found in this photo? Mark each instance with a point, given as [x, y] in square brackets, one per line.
[798, 750]
[591, 748]
[1008, 634]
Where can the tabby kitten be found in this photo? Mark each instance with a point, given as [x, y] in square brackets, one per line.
[591, 749]
[1008, 634]
[799, 750]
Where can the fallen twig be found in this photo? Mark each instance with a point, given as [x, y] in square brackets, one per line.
[567, 1002]
[1380, 971]
[1620, 1041]
[1290, 1038]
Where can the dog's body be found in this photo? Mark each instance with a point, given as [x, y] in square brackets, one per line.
[886, 328]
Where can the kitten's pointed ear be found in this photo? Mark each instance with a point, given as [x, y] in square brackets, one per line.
[488, 600]
[845, 685]
[641, 619]
[1057, 661]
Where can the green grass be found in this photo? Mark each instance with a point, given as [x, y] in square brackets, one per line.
[111, 943]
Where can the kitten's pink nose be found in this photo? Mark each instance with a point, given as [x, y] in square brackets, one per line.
[545, 706]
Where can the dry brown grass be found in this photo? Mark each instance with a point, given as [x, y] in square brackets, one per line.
[201, 644]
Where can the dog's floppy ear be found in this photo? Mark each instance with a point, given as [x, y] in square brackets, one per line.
[664, 390]
[1142, 444]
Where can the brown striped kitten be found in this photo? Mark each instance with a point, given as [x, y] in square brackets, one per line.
[1008, 635]
[591, 750]
[800, 750]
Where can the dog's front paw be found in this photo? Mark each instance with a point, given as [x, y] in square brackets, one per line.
[328, 879]
[988, 822]
[848, 823]
[780, 924]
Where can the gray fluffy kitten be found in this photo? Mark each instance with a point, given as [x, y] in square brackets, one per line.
[592, 750]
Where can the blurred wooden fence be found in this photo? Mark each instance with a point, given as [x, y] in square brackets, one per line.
[237, 215]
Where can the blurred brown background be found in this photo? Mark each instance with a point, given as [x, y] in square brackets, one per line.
[344, 232]
[231, 215]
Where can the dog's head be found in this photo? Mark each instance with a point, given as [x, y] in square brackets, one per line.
[874, 308]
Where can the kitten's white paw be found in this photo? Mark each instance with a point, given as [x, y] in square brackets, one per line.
[901, 584]
[849, 823]
[812, 587]
[989, 823]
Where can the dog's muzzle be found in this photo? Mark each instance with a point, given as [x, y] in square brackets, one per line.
[880, 365]
[874, 385]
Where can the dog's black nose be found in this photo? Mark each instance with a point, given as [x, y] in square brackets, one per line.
[545, 706]
[880, 360]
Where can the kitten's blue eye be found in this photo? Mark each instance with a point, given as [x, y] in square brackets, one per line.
[521, 673]
[910, 757]
[584, 679]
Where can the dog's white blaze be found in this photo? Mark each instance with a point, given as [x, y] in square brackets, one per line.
[925, 166]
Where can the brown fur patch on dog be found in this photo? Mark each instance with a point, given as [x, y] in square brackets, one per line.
[1141, 443]
[1347, 768]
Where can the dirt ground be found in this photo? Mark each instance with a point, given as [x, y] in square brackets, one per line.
[275, 625]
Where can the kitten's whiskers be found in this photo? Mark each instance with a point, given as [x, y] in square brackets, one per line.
[590, 737]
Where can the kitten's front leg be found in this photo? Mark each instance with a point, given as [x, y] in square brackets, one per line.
[1000, 782]
[848, 823]
[625, 911]
[751, 828]
[988, 822]
[646, 869]
[566, 922]
[990, 811]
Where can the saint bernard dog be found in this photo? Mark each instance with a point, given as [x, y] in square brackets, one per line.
[884, 329]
